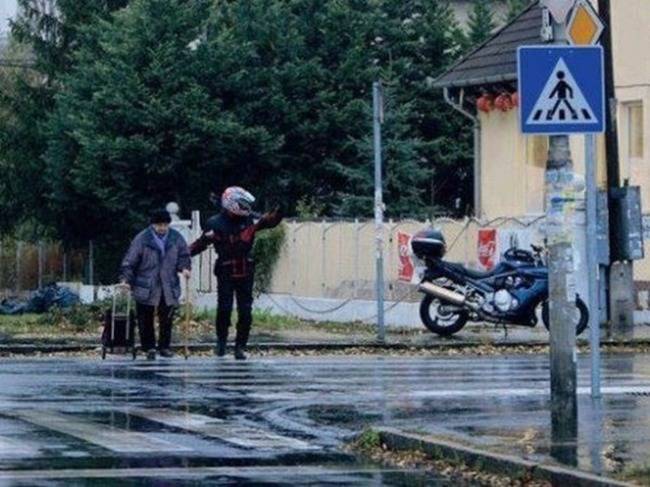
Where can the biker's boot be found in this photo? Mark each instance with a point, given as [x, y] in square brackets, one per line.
[220, 349]
[239, 353]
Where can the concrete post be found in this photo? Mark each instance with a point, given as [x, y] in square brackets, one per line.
[355, 285]
[40, 264]
[292, 252]
[621, 300]
[323, 264]
[562, 291]
[560, 196]
[19, 271]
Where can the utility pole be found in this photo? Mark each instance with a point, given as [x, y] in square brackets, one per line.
[560, 193]
[621, 281]
[378, 118]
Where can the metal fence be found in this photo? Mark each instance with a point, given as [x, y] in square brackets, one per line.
[25, 266]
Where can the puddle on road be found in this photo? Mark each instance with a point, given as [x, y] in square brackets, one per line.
[342, 415]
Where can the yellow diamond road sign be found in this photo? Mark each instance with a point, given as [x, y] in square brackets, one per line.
[584, 27]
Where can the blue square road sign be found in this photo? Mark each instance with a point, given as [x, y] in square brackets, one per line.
[561, 89]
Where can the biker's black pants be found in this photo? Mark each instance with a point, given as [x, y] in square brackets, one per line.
[228, 288]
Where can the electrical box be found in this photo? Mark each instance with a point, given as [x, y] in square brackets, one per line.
[627, 223]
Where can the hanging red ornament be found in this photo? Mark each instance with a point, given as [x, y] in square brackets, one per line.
[503, 102]
[485, 103]
[515, 99]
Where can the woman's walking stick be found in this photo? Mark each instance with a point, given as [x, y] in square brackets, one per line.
[188, 315]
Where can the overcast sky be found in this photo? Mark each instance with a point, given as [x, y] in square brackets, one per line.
[7, 10]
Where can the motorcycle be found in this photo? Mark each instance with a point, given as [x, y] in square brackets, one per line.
[515, 292]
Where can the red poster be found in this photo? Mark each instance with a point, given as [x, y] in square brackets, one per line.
[405, 266]
[487, 247]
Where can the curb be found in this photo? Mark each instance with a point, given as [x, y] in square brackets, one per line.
[85, 346]
[495, 463]
[58, 347]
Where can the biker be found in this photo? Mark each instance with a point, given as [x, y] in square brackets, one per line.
[232, 232]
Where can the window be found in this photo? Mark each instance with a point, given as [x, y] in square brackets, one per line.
[635, 130]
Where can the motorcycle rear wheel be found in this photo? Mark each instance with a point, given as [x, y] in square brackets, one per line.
[444, 325]
[581, 323]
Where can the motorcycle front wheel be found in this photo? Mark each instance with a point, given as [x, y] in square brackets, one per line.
[581, 316]
[440, 321]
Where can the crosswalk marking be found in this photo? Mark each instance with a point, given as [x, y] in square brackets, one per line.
[10, 447]
[226, 415]
[269, 394]
[108, 437]
[236, 434]
[176, 419]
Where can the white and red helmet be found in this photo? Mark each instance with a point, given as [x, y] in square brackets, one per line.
[237, 201]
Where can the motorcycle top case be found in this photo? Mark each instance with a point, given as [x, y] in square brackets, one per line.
[429, 244]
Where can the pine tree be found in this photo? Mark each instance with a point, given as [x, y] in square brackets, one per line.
[133, 128]
[272, 95]
[481, 21]
[515, 7]
[46, 32]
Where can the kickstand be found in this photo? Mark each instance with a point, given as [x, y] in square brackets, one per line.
[505, 330]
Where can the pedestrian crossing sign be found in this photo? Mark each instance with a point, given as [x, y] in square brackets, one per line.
[561, 89]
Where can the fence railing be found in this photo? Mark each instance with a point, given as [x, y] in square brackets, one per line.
[319, 259]
[26, 266]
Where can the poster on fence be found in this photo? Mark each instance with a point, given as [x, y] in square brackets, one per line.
[406, 267]
[487, 248]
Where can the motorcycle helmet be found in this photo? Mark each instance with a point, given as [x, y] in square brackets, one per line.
[237, 201]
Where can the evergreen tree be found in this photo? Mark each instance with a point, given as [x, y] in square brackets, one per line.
[328, 57]
[46, 32]
[172, 99]
[515, 7]
[133, 128]
[481, 21]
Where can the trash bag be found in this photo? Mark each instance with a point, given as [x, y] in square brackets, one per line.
[41, 301]
[12, 307]
[49, 296]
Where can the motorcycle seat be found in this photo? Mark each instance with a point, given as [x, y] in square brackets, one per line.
[470, 272]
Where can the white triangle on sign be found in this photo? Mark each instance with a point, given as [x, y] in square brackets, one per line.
[561, 101]
[559, 8]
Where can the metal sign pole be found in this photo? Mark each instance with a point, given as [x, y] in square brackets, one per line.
[377, 102]
[593, 274]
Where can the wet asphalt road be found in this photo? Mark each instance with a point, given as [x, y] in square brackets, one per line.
[282, 421]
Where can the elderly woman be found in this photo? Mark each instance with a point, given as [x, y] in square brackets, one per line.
[150, 269]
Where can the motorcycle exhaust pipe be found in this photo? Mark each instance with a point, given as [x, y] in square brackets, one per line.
[446, 295]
